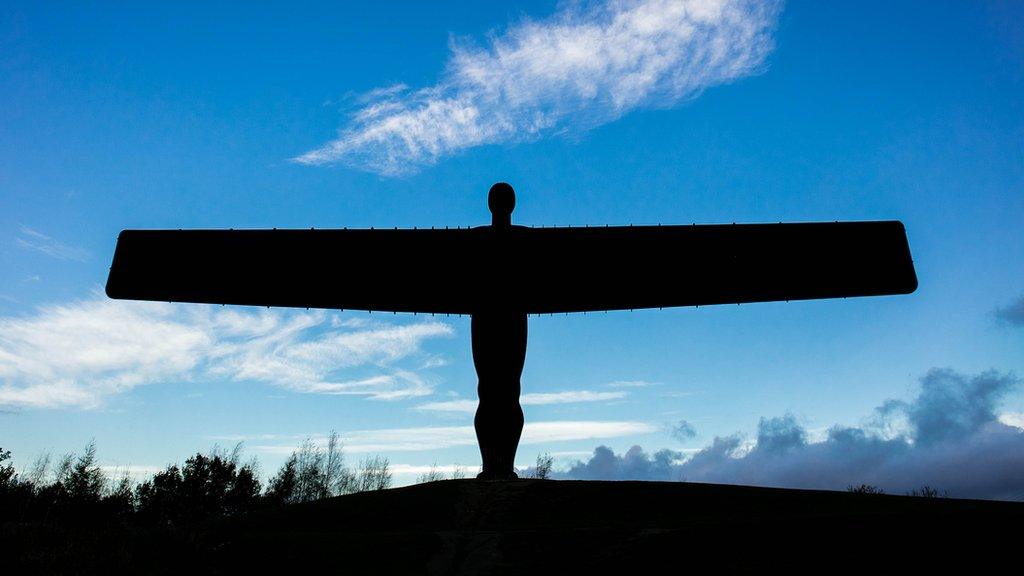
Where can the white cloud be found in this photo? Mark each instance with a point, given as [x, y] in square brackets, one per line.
[78, 354]
[631, 384]
[464, 405]
[533, 399]
[136, 473]
[568, 397]
[1015, 419]
[570, 453]
[439, 437]
[418, 469]
[385, 440]
[34, 240]
[543, 432]
[586, 65]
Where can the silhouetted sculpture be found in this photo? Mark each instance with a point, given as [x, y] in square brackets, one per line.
[502, 273]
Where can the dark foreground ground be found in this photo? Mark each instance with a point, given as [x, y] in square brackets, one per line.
[533, 526]
[571, 527]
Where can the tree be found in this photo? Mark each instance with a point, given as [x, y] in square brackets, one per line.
[207, 486]
[83, 481]
[160, 499]
[283, 486]
[37, 472]
[7, 476]
[310, 472]
[15, 494]
[119, 498]
[336, 478]
[432, 475]
[244, 492]
[63, 469]
[373, 474]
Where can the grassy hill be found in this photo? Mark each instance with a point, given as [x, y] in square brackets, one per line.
[536, 526]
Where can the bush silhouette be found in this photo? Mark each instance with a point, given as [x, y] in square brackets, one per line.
[542, 469]
[864, 489]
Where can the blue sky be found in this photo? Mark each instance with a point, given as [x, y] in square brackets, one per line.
[403, 114]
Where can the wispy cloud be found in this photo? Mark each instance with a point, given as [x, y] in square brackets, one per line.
[950, 436]
[532, 399]
[417, 469]
[1012, 314]
[134, 472]
[462, 405]
[586, 65]
[30, 239]
[683, 431]
[631, 384]
[78, 354]
[439, 437]
[569, 397]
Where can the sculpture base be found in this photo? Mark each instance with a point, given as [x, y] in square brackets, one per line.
[497, 476]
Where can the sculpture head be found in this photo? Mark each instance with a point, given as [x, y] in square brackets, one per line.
[501, 200]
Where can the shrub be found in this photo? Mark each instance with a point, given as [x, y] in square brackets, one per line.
[927, 491]
[865, 489]
[542, 470]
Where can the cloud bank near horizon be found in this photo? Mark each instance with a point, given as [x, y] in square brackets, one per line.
[588, 64]
[77, 355]
[949, 437]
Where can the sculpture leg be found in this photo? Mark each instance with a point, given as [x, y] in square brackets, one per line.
[499, 351]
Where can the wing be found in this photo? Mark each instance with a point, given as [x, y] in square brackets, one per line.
[387, 270]
[591, 269]
[530, 270]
